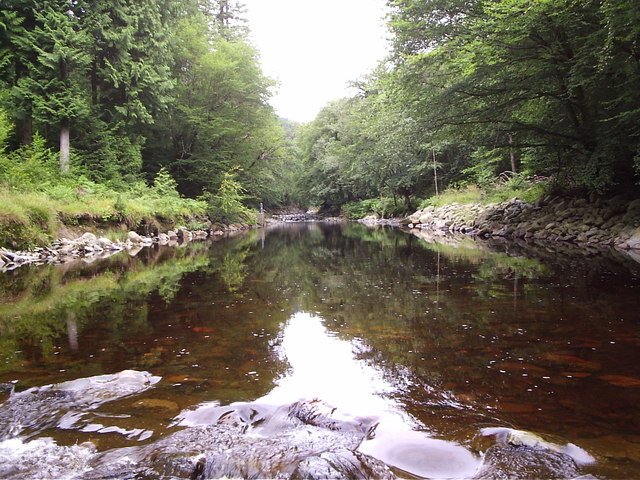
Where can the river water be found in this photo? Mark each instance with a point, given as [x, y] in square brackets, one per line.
[443, 341]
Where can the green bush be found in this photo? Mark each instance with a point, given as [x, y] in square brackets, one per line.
[31, 167]
[357, 210]
[226, 205]
[517, 185]
[381, 207]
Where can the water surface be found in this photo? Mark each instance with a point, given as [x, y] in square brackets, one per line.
[440, 339]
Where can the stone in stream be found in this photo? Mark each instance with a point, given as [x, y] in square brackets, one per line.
[531, 456]
[502, 461]
[522, 438]
[31, 411]
[306, 439]
[134, 237]
[251, 440]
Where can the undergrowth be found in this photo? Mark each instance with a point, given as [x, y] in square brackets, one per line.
[501, 190]
[35, 198]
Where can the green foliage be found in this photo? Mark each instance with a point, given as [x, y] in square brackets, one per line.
[380, 207]
[501, 190]
[107, 154]
[144, 84]
[462, 194]
[31, 167]
[164, 185]
[547, 84]
[357, 210]
[5, 130]
[226, 205]
[26, 220]
[517, 186]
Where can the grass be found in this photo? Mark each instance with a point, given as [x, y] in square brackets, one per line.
[500, 191]
[29, 219]
[463, 195]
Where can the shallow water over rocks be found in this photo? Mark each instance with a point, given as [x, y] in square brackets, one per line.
[323, 351]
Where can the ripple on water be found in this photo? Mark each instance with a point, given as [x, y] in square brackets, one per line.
[418, 454]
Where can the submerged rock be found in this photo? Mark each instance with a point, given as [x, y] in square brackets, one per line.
[249, 440]
[31, 411]
[522, 438]
[43, 459]
[506, 461]
[306, 439]
[530, 455]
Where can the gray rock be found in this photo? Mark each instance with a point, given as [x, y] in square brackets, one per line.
[134, 237]
[104, 242]
[502, 460]
[634, 206]
[633, 243]
[87, 237]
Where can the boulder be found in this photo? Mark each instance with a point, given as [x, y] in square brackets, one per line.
[87, 237]
[633, 243]
[104, 242]
[134, 237]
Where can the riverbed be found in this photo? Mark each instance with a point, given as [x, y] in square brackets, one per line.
[442, 344]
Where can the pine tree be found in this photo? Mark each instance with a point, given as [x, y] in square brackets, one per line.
[52, 86]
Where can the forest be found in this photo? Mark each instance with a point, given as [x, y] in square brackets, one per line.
[160, 107]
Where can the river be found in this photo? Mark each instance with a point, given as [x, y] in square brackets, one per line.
[448, 343]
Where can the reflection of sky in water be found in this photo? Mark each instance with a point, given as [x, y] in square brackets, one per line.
[324, 367]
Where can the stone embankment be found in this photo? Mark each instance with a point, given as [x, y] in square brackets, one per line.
[90, 247]
[614, 222]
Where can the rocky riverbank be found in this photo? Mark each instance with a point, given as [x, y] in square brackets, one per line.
[613, 222]
[90, 247]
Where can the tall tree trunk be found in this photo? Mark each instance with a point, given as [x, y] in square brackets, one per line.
[435, 170]
[27, 130]
[72, 331]
[512, 155]
[64, 145]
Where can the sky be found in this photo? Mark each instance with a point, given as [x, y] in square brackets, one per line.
[314, 48]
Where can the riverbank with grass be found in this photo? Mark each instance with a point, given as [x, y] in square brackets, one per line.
[31, 219]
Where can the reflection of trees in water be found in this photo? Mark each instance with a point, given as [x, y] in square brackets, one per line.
[467, 321]
[233, 269]
[52, 301]
[437, 318]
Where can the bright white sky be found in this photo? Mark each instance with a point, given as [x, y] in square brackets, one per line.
[315, 47]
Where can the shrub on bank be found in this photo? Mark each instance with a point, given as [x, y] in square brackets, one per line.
[503, 189]
[358, 210]
[381, 207]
